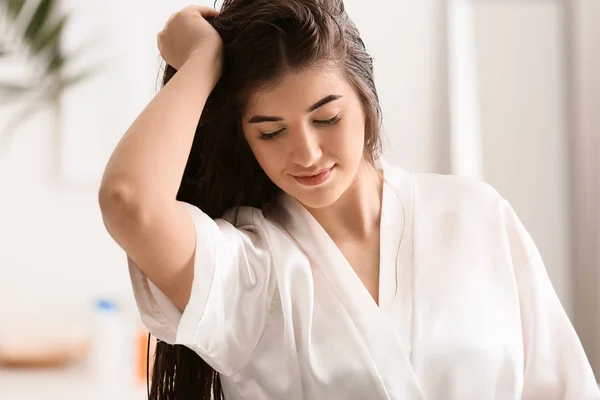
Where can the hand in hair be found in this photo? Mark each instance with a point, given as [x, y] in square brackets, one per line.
[186, 34]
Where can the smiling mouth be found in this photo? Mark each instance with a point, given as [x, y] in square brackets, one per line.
[316, 179]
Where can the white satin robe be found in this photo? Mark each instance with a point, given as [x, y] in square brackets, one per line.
[466, 309]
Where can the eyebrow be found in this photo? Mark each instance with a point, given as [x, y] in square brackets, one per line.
[265, 118]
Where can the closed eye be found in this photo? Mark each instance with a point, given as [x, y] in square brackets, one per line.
[273, 135]
[329, 121]
[270, 135]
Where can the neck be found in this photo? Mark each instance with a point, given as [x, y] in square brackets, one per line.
[362, 200]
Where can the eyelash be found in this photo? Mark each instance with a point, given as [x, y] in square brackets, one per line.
[327, 122]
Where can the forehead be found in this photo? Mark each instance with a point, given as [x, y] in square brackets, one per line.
[298, 90]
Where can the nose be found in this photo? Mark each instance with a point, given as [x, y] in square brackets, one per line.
[306, 148]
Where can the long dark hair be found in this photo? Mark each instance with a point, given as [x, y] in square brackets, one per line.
[263, 40]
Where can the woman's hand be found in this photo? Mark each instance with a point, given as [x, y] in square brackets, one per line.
[187, 34]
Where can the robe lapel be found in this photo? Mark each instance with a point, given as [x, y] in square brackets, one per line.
[396, 277]
[383, 338]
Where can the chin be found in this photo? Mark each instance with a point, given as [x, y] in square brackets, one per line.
[320, 198]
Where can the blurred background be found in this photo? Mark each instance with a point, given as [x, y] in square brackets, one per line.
[506, 91]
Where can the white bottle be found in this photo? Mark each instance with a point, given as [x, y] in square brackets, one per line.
[109, 346]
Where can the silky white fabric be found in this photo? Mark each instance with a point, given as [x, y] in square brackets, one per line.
[466, 309]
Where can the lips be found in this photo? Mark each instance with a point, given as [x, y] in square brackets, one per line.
[314, 179]
[312, 174]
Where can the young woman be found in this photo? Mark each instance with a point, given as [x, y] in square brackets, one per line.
[276, 256]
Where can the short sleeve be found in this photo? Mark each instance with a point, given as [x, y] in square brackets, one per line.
[231, 291]
[556, 367]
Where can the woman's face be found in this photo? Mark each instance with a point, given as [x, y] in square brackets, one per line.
[307, 134]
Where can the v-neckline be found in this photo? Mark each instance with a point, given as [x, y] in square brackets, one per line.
[390, 237]
[387, 336]
[381, 248]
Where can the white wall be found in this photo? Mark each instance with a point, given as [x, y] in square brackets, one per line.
[407, 40]
[584, 59]
[521, 63]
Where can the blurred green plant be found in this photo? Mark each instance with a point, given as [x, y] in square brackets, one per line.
[34, 32]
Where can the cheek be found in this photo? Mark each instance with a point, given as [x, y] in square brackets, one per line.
[348, 139]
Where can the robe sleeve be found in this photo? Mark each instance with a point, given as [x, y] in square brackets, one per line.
[556, 367]
[231, 291]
